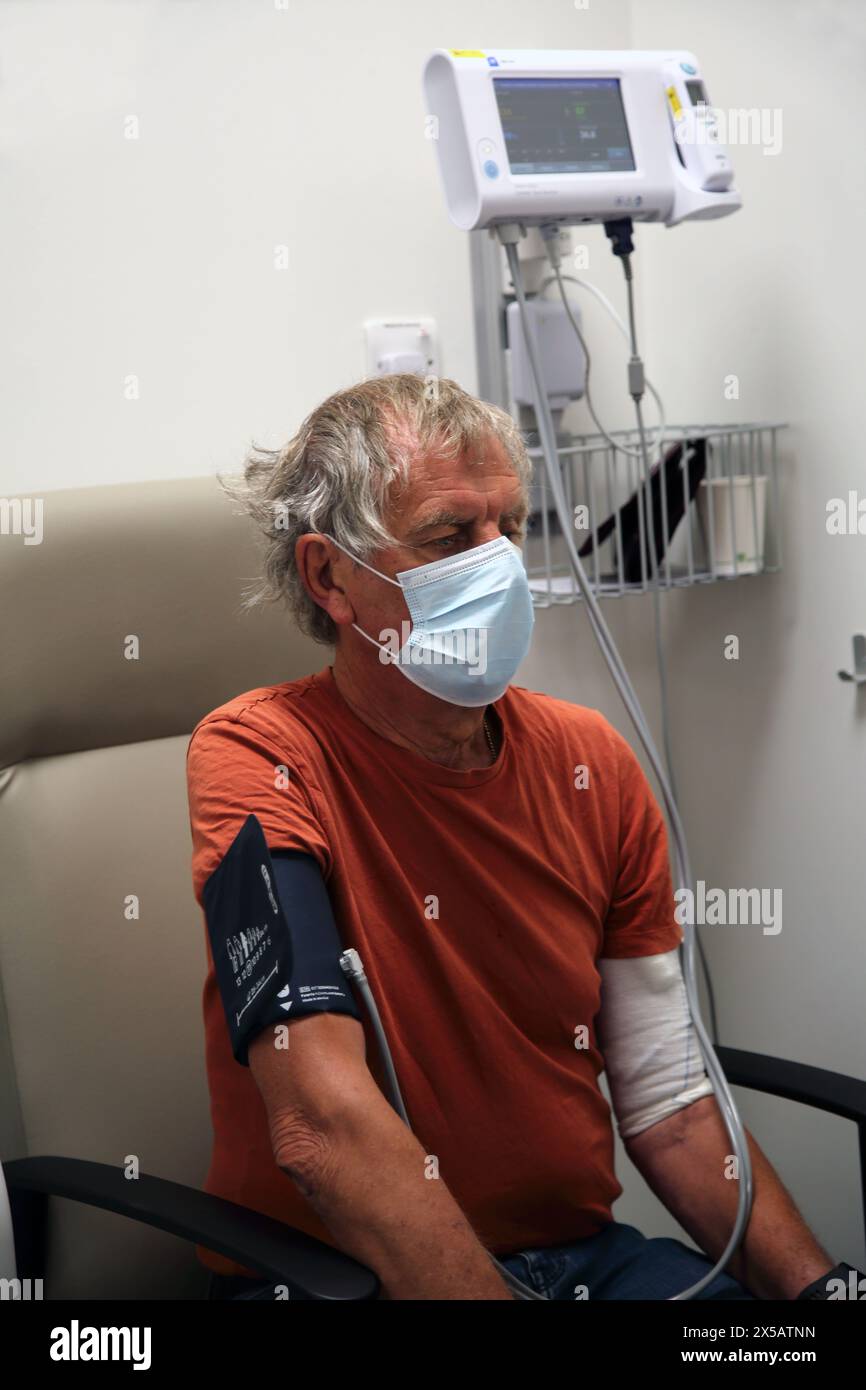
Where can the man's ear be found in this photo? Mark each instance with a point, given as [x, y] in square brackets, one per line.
[322, 574]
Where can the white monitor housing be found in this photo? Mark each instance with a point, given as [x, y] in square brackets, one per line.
[539, 136]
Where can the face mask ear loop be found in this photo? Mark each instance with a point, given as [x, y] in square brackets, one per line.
[380, 645]
[387, 579]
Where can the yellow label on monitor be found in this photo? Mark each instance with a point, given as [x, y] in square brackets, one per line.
[676, 104]
[466, 52]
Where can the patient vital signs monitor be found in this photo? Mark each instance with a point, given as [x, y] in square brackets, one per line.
[541, 136]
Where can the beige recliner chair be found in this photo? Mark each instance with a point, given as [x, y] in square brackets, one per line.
[102, 945]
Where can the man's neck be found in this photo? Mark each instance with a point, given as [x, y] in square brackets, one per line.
[451, 735]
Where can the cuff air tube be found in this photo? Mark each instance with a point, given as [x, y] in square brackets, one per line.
[275, 945]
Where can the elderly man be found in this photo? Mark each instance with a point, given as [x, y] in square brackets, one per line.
[498, 860]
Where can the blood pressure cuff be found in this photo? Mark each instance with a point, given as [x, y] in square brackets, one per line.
[275, 945]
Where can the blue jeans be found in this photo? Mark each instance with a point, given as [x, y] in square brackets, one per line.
[617, 1263]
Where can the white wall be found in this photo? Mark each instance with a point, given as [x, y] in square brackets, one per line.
[769, 751]
[772, 750]
[304, 127]
[259, 126]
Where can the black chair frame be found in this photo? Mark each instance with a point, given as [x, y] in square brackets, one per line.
[310, 1269]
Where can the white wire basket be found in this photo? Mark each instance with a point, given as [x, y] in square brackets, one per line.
[714, 514]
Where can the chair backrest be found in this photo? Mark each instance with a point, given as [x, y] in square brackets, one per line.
[118, 631]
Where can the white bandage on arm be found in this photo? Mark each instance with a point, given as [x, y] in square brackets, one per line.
[645, 1032]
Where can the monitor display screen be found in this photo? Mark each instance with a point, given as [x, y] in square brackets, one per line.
[563, 125]
[697, 93]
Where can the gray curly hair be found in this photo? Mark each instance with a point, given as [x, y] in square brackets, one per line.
[337, 473]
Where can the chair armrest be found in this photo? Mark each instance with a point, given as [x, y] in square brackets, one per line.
[309, 1268]
[828, 1090]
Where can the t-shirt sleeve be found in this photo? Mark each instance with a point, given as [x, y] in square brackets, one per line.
[640, 920]
[233, 770]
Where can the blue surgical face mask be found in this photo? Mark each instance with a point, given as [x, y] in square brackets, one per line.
[472, 621]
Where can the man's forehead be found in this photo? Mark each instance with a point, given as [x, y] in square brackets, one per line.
[474, 470]
[443, 489]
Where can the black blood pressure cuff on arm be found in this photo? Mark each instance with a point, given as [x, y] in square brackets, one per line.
[275, 945]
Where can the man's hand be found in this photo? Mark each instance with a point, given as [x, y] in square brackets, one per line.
[684, 1159]
[361, 1169]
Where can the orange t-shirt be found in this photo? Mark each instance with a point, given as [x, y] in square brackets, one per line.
[479, 902]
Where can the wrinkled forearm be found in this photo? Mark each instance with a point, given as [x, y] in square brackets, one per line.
[365, 1179]
[684, 1160]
